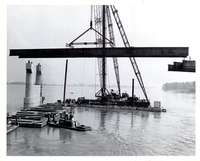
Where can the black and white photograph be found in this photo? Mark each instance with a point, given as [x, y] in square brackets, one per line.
[102, 79]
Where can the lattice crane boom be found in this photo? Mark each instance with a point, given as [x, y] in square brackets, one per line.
[126, 43]
[112, 39]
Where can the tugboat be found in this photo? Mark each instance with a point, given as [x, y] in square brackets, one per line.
[67, 121]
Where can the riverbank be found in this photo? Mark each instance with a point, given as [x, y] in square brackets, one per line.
[180, 87]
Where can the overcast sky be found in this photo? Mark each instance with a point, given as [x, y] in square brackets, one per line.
[160, 24]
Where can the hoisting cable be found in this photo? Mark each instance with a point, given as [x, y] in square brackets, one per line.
[91, 17]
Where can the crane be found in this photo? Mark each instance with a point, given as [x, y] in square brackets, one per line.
[100, 30]
[98, 25]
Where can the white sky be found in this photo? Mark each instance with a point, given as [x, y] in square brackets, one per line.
[160, 24]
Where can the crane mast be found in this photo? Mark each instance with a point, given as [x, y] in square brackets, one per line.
[99, 19]
[98, 27]
[126, 43]
[102, 61]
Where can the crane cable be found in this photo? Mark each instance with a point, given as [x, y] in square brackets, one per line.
[91, 16]
[61, 73]
[159, 78]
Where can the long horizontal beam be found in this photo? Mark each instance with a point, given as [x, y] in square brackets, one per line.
[97, 52]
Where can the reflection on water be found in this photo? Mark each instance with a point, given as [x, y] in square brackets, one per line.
[102, 119]
[115, 132]
[65, 135]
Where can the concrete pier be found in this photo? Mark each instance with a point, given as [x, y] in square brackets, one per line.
[32, 91]
[39, 80]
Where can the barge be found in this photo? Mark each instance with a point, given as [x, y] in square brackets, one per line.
[11, 127]
[33, 123]
[26, 118]
[114, 101]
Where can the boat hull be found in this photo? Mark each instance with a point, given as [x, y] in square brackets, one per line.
[117, 102]
[150, 109]
[77, 128]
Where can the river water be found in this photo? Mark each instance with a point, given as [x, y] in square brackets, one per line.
[114, 132]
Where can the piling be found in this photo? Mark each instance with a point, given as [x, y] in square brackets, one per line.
[133, 92]
[65, 81]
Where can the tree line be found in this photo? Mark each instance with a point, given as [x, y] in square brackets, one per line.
[187, 87]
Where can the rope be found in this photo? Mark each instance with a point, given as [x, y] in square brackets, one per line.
[73, 78]
[159, 79]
